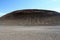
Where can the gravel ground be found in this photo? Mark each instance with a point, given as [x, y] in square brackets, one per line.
[29, 33]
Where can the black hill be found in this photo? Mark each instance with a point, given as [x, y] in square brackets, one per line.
[31, 17]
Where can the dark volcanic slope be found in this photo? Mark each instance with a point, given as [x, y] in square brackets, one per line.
[31, 17]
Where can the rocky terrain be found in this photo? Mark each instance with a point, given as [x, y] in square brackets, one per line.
[31, 17]
[14, 31]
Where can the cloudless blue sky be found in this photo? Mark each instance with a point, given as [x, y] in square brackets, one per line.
[7, 6]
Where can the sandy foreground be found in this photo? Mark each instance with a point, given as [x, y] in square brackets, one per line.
[29, 32]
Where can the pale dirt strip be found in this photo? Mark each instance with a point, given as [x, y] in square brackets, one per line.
[29, 33]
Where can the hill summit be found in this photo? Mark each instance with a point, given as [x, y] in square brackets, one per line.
[31, 17]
